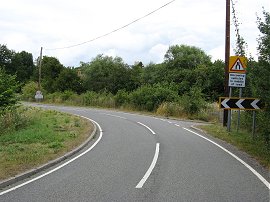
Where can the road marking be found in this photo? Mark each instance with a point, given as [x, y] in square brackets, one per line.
[61, 166]
[150, 169]
[121, 117]
[263, 180]
[147, 128]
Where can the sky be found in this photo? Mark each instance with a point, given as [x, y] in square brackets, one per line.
[28, 25]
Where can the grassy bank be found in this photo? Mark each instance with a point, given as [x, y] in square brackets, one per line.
[44, 136]
[243, 140]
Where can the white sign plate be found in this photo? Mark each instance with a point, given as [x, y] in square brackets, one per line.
[237, 80]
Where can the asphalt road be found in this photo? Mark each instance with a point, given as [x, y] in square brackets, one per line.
[143, 158]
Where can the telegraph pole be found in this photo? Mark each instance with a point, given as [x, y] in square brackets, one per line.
[39, 70]
[227, 57]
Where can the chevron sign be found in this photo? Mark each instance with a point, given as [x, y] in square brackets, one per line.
[240, 103]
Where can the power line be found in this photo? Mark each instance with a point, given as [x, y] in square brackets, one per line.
[120, 28]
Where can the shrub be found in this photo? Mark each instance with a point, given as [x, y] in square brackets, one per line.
[13, 119]
[29, 90]
[150, 97]
[193, 101]
[8, 88]
[121, 98]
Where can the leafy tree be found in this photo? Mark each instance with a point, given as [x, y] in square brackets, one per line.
[8, 87]
[6, 56]
[185, 57]
[260, 82]
[154, 73]
[135, 74]
[106, 73]
[68, 80]
[23, 64]
[50, 71]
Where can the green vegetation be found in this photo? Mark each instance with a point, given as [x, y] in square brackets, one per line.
[8, 87]
[30, 137]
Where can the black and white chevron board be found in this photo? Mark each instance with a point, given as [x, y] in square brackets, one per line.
[240, 103]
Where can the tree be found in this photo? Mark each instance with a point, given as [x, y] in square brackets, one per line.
[8, 87]
[22, 63]
[180, 65]
[185, 57]
[6, 56]
[106, 73]
[68, 80]
[260, 82]
[50, 70]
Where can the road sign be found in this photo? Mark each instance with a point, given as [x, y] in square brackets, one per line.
[237, 80]
[240, 103]
[38, 95]
[237, 64]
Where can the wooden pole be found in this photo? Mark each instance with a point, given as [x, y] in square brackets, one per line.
[227, 57]
[39, 70]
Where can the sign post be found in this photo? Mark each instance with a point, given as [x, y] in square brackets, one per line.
[237, 78]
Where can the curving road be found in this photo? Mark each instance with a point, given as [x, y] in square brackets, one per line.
[143, 158]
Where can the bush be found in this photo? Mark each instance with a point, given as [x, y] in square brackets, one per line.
[121, 98]
[171, 109]
[193, 101]
[150, 97]
[29, 90]
[8, 88]
[13, 119]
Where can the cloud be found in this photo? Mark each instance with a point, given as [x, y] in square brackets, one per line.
[28, 25]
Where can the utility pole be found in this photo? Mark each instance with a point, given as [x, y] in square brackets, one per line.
[227, 57]
[39, 70]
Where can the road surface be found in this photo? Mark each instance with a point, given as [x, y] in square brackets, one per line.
[143, 158]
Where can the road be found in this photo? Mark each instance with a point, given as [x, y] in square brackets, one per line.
[143, 158]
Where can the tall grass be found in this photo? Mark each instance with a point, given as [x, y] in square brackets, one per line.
[45, 136]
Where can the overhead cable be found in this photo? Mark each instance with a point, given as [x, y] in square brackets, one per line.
[101, 36]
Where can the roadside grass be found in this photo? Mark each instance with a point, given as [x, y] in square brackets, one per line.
[242, 140]
[47, 135]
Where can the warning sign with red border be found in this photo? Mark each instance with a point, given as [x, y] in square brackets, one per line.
[237, 64]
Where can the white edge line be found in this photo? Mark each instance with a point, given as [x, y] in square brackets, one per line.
[147, 128]
[61, 166]
[150, 169]
[121, 117]
[263, 180]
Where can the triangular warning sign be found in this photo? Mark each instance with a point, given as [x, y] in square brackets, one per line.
[238, 67]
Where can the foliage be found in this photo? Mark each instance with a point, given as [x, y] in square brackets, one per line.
[193, 102]
[50, 70]
[19, 64]
[261, 81]
[8, 87]
[13, 119]
[68, 80]
[106, 73]
[240, 42]
[121, 98]
[29, 90]
[150, 97]
[22, 63]
[6, 56]
[185, 57]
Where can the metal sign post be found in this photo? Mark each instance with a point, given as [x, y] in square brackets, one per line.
[253, 124]
[238, 116]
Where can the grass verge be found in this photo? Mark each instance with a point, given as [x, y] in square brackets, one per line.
[243, 141]
[47, 135]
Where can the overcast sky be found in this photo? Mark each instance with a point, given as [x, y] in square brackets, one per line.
[29, 24]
